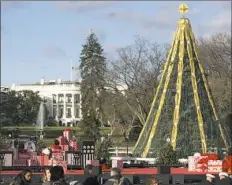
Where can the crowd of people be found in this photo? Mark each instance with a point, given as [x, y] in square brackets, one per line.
[224, 179]
[55, 176]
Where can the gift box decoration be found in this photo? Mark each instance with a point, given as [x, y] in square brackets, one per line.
[214, 166]
[194, 166]
[93, 162]
[117, 164]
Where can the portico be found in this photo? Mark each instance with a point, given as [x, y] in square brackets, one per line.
[63, 98]
[66, 105]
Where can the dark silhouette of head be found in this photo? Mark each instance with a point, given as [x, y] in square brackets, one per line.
[57, 173]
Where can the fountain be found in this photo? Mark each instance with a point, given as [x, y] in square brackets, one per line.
[40, 120]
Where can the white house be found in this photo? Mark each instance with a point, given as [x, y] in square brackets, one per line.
[63, 98]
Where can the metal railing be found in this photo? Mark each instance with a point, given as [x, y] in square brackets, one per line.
[120, 151]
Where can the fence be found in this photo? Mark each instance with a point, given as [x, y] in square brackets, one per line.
[120, 151]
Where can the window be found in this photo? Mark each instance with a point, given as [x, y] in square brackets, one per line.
[69, 111]
[54, 98]
[61, 99]
[77, 112]
[69, 99]
[61, 112]
[54, 111]
[77, 98]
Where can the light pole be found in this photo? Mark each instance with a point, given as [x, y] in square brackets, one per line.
[2, 158]
[41, 134]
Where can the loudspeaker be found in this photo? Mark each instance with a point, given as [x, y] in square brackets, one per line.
[165, 179]
[178, 178]
[164, 170]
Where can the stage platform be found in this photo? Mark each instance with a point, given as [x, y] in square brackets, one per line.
[127, 171]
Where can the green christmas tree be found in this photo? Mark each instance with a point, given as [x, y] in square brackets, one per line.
[92, 65]
[183, 108]
[167, 156]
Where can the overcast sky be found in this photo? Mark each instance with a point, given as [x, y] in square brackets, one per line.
[38, 39]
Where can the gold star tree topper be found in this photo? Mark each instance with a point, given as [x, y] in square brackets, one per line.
[183, 9]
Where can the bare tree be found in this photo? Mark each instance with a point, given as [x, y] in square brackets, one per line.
[116, 114]
[135, 74]
[215, 55]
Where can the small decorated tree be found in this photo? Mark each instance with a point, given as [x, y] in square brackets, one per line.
[102, 149]
[168, 156]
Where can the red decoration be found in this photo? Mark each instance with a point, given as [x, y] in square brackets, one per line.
[204, 168]
[227, 164]
[209, 157]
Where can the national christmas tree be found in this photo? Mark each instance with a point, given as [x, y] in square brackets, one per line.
[183, 110]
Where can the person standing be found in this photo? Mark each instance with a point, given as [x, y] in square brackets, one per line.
[116, 178]
[91, 179]
[209, 180]
[24, 178]
[57, 176]
[224, 179]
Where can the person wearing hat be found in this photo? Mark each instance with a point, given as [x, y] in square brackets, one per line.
[116, 178]
[224, 179]
[209, 179]
[90, 178]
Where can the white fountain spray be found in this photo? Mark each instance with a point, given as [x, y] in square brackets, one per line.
[40, 120]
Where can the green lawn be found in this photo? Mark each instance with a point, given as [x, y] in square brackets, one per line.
[51, 133]
[105, 129]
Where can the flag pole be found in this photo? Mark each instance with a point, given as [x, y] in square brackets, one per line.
[71, 75]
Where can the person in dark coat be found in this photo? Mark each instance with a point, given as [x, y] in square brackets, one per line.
[209, 180]
[91, 179]
[24, 178]
[116, 178]
[57, 176]
[224, 179]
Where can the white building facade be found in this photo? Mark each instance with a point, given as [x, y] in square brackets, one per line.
[3, 93]
[63, 98]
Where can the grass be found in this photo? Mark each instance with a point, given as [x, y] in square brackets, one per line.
[105, 129]
[49, 132]
[52, 132]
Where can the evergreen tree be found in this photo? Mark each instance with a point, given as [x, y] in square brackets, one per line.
[92, 65]
[167, 156]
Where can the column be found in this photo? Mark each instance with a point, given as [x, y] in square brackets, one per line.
[73, 105]
[80, 112]
[64, 110]
[52, 113]
[52, 105]
[57, 106]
